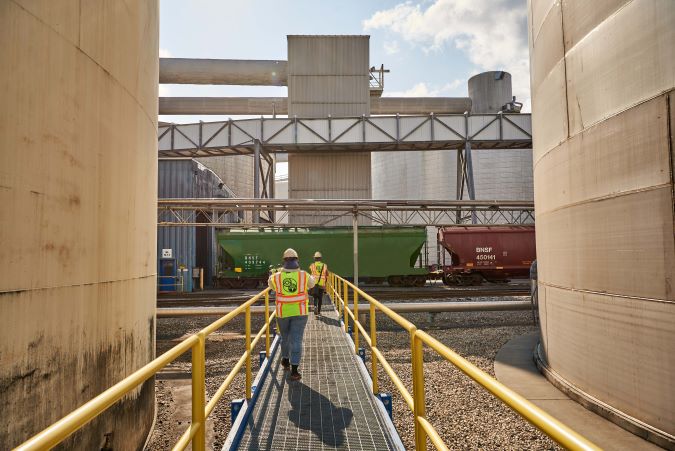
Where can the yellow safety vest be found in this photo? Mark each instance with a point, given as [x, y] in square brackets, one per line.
[319, 271]
[291, 293]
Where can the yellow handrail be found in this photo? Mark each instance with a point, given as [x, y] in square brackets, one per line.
[338, 290]
[195, 434]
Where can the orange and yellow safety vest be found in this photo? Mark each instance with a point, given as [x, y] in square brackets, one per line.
[319, 271]
[291, 293]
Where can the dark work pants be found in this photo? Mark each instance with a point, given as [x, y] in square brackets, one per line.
[317, 294]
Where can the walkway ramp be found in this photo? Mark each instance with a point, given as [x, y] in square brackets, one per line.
[330, 408]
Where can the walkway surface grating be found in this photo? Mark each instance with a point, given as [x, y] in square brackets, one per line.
[330, 408]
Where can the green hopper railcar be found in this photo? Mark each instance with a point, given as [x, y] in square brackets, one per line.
[385, 253]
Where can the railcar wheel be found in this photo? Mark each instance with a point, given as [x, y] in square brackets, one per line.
[395, 281]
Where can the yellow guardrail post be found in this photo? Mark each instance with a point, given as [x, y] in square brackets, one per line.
[199, 393]
[356, 319]
[373, 344]
[267, 324]
[418, 390]
[248, 351]
[345, 304]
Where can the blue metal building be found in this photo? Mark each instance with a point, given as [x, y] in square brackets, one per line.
[190, 246]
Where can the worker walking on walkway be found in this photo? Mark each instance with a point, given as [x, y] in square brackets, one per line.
[319, 271]
[291, 285]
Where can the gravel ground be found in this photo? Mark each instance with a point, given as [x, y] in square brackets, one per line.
[222, 352]
[465, 415]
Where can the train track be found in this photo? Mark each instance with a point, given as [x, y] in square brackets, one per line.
[219, 298]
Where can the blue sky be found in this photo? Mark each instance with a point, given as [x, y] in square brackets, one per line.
[431, 46]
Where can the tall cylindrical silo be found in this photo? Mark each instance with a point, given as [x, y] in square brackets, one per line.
[78, 188]
[489, 91]
[498, 174]
[602, 77]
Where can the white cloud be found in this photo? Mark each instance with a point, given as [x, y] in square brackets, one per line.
[424, 90]
[391, 47]
[164, 53]
[164, 91]
[493, 33]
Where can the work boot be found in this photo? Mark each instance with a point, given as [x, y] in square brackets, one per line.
[286, 363]
[295, 376]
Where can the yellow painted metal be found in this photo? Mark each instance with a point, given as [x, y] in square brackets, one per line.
[436, 440]
[373, 344]
[199, 393]
[345, 304]
[540, 419]
[226, 383]
[423, 429]
[359, 326]
[59, 431]
[62, 429]
[356, 322]
[419, 397]
[249, 376]
[407, 397]
[267, 324]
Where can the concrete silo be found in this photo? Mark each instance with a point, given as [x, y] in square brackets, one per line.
[603, 108]
[498, 174]
[78, 186]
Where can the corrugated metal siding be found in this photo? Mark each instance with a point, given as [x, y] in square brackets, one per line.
[328, 75]
[328, 176]
[188, 179]
[498, 174]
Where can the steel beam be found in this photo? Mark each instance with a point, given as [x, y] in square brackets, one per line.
[185, 212]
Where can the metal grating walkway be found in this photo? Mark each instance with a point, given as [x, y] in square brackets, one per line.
[330, 408]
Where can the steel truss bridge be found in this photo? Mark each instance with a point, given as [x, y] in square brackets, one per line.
[274, 212]
[344, 134]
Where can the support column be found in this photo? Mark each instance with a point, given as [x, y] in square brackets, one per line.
[355, 231]
[469, 177]
[256, 179]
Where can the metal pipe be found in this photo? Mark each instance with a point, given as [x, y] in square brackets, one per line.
[279, 105]
[419, 105]
[223, 105]
[222, 72]
[398, 307]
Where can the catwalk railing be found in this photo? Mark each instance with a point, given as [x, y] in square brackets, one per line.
[339, 291]
[196, 433]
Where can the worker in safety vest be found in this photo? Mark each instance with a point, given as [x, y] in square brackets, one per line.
[319, 271]
[291, 285]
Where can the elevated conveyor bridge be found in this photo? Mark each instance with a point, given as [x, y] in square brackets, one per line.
[346, 134]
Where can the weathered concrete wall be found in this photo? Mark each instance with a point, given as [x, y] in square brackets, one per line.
[78, 189]
[602, 114]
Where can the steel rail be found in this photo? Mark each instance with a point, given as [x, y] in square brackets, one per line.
[339, 293]
[195, 434]
[364, 204]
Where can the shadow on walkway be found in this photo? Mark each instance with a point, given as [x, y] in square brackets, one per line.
[310, 410]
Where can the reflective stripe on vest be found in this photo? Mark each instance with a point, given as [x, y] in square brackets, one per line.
[321, 273]
[291, 297]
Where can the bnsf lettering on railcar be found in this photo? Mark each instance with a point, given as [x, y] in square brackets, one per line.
[483, 250]
[486, 257]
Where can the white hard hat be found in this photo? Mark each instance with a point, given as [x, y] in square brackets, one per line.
[317, 254]
[290, 253]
